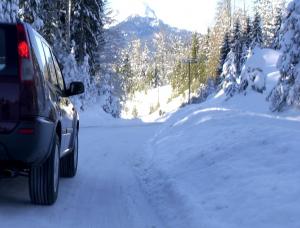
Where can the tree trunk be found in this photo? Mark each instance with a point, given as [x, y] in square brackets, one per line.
[68, 25]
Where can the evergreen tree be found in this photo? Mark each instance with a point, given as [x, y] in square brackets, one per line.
[125, 71]
[267, 9]
[30, 11]
[179, 80]
[229, 75]
[139, 64]
[257, 39]
[246, 39]
[233, 64]
[161, 54]
[277, 36]
[195, 46]
[204, 49]
[237, 46]
[247, 33]
[287, 92]
[194, 67]
[26, 10]
[50, 19]
[156, 78]
[225, 49]
[87, 29]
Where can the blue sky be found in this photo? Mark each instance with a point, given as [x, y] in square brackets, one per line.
[194, 15]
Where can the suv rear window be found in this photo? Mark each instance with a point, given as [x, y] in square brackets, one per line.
[8, 51]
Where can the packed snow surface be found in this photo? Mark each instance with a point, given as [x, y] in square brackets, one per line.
[105, 192]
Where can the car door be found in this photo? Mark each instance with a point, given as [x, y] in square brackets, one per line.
[57, 97]
[67, 106]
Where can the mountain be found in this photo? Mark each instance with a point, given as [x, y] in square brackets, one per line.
[145, 28]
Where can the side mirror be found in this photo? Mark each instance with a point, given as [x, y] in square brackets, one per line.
[75, 88]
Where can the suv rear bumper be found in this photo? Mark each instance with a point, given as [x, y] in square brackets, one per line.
[31, 148]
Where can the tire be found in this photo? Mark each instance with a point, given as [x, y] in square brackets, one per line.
[44, 179]
[69, 163]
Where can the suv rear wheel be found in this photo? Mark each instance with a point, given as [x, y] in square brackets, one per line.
[68, 164]
[44, 179]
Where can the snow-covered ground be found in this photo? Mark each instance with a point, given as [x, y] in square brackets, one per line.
[226, 163]
[153, 105]
[217, 166]
[223, 163]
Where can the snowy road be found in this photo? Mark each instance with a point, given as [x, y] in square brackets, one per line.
[105, 193]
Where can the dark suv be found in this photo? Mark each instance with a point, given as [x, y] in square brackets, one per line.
[38, 123]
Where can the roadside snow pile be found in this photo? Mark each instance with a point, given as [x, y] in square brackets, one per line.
[226, 163]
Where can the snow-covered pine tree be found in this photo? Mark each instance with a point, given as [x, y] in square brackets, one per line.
[125, 72]
[146, 67]
[287, 92]
[26, 10]
[257, 39]
[237, 46]
[138, 60]
[229, 75]
[49, 20]
[9, 10]
[178, 76]
[179, 80]
[86, 31]
[267, 9]
[161, 49]
[111, 84]
[109, 101]
[246, 40]
[29, 12]
[225, 49]
[233, 64]
[195, 67]
[204, 56]
[277, 32]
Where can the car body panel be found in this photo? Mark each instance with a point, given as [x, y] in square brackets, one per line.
[41, 105]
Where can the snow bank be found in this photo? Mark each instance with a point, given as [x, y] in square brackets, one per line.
[226, 163]
[219, 167]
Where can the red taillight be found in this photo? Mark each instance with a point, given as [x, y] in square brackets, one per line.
[25, 63]
[26, 131]
[23, 50]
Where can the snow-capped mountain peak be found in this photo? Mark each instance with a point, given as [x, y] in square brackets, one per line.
[144, 28]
